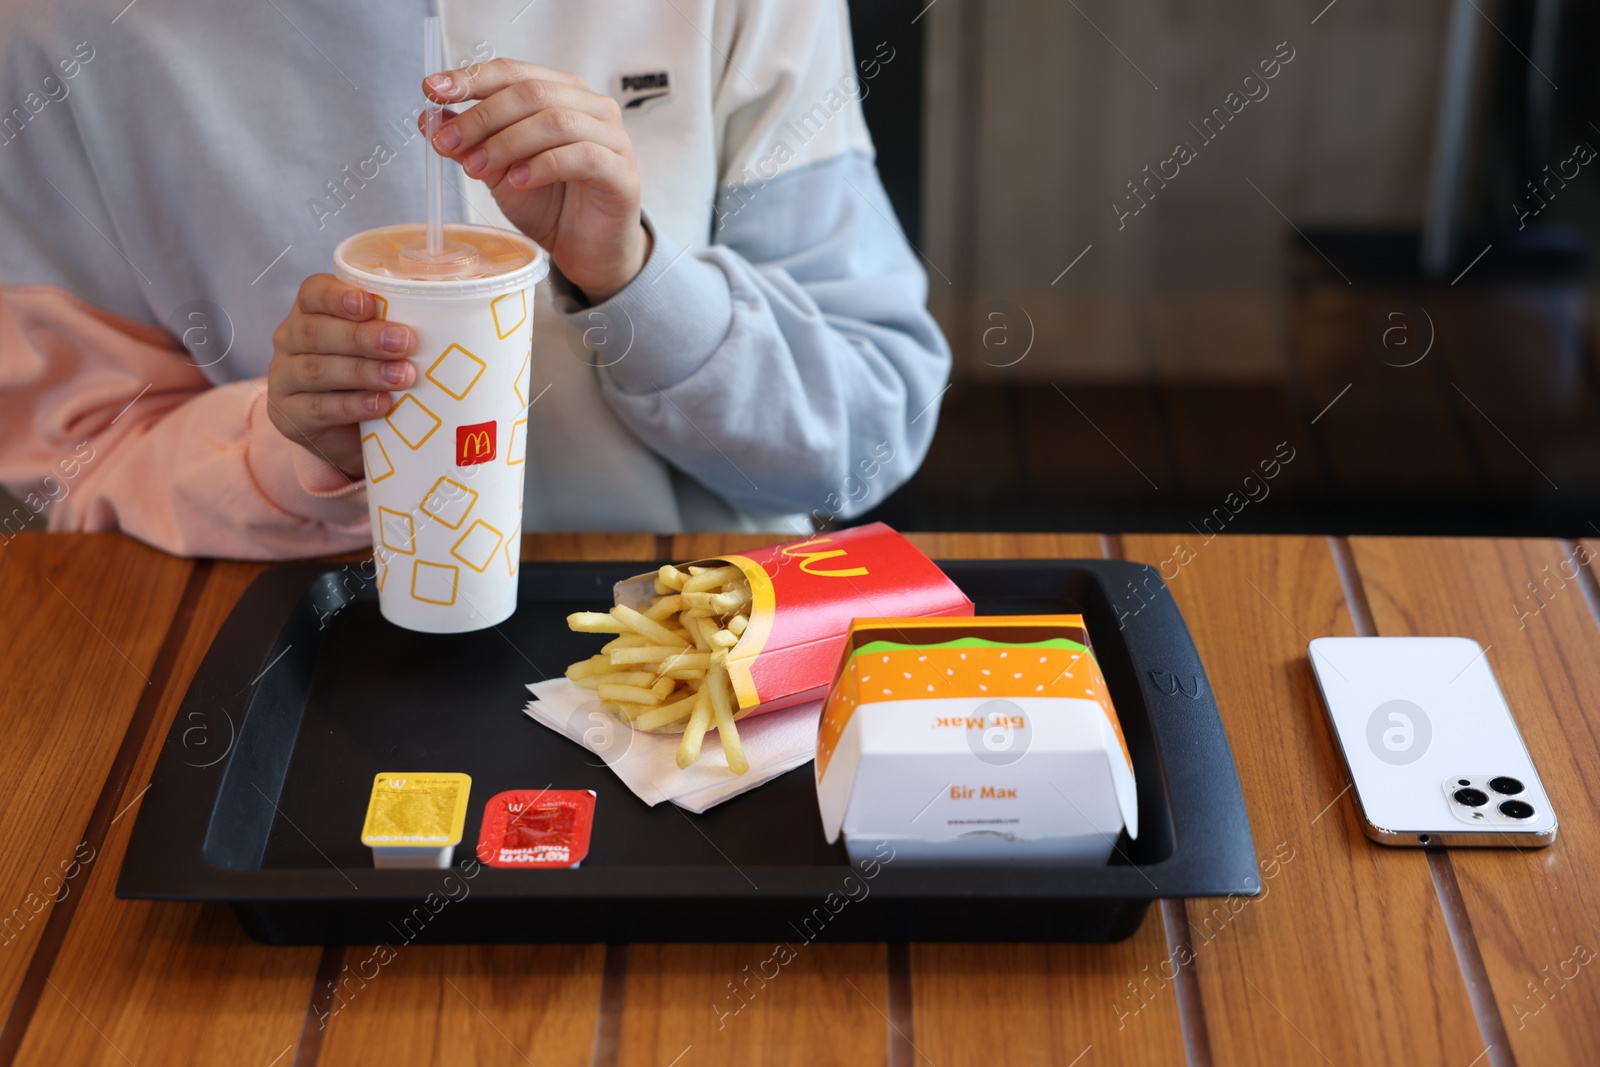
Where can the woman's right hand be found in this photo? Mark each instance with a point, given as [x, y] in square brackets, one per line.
[333, 365]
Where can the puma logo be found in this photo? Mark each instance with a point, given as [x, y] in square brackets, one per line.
[640, 90]
[640, 101]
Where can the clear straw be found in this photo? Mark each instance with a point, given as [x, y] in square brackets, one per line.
[433, 61]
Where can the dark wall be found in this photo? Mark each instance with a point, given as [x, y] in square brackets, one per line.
[893, 102]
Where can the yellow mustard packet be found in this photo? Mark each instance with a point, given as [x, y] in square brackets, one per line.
[416, 810]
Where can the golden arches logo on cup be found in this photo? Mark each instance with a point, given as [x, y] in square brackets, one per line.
[475, 443]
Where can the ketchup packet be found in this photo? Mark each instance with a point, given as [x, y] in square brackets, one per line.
[536, 828]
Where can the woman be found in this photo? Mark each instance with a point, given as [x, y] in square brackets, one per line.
[733, 333]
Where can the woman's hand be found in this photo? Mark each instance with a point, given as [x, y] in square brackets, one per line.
[332, 366]
[557, 160]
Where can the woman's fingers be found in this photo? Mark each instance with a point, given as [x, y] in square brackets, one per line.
[516, 103]
[540, 133]
[316, 372]
[315, 390]
[312, 413]
[534, 126]
[581, 162]
[332, 371]
[483, 80]
[323, 294]
[374, 339]
[333, 365]
[445, 115]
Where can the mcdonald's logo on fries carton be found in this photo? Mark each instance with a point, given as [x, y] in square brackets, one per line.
[989, 739]
[804, 595]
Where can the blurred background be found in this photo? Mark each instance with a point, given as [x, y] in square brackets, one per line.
[1250, 265]
[1370, 255]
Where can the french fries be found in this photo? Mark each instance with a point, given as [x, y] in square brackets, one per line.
[665, 668]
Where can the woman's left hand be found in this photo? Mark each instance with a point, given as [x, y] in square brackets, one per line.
[558, 161]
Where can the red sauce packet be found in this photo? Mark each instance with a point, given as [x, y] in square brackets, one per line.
[536, 828]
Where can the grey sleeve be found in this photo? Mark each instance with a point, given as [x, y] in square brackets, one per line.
[792, 366]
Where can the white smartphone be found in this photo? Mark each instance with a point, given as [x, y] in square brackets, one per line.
[1433, 752]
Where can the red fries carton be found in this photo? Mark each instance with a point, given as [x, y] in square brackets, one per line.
[804, 595]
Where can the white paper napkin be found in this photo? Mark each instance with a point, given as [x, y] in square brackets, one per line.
[774, 742]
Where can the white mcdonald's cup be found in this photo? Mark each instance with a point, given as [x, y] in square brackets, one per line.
[445, 465]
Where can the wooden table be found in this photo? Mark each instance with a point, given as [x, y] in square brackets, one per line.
[1353, 954]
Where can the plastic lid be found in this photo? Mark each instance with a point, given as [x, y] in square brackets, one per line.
[384, 260]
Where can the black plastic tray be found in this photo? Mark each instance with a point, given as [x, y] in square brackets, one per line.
[307, 693]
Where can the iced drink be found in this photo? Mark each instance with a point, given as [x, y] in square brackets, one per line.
[445, 465]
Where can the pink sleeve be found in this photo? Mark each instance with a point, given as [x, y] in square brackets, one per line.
[106, 425]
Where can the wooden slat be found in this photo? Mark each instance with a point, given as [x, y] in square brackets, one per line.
[466, 1004]
[824, 1003]
[82, 627]
[985, 1003]
[1345, 956]
[164, 982]
[1534, 910]
[107, 811]
[702, 546]
[934, 545]
[1007, 546]
[473, 1004]
[588, 546]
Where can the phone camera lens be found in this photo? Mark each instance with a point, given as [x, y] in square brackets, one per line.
[1477, 798]
[1506, 785]
[1516, 809]
[1463, 781]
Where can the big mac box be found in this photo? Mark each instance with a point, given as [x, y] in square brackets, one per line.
[988, 739]
[803, 597]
